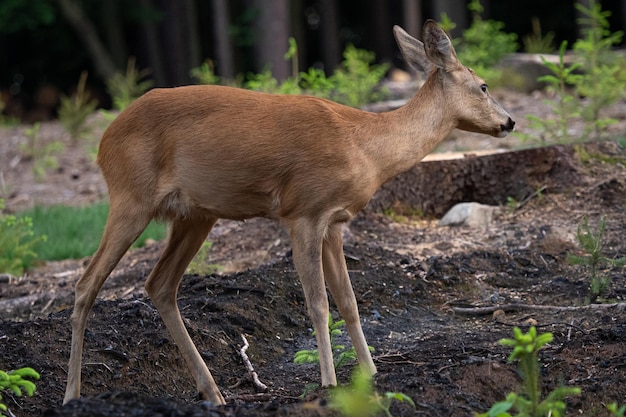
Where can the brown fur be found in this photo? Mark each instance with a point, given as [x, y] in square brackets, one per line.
[192, 155]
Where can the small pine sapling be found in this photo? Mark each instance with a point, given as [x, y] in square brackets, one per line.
[18, 382]
[341, 355]
[592, 243]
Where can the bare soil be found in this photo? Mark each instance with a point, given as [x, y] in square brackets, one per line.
[418, 286]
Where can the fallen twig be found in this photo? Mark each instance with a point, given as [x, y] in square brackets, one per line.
[251, 374]
[476, 311]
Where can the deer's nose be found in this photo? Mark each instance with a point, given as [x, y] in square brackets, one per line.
[509, 126]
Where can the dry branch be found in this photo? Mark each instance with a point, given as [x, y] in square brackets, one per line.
[251, 374]
[476, 311]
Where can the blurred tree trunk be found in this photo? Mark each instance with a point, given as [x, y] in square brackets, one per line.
[223, 44]
[181, 40]
[412, 17]
[329, 26]
[114, 32]
[381, 27]
[272, 34]
[456, 11]
[87, 33]
[153, 46]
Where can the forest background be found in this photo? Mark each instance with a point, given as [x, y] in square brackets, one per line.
[45, 45]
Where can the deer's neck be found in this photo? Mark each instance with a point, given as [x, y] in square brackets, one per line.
[401, 138]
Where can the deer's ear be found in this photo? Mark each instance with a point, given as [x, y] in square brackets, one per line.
[412, 51]
[438, 47]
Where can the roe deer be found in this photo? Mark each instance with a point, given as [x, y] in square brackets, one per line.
[192, 155]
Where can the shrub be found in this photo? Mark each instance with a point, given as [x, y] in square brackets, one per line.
[592, 243]
[17, 243]
[126, 88]
[603, 80]
[74, 110]
[18, 382]
[43, 156]
[484, 44]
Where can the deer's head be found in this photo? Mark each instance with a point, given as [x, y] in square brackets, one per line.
[466, 95]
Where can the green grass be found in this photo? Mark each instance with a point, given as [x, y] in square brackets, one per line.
[75, 232]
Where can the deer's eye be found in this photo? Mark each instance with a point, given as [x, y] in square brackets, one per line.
[483, 88]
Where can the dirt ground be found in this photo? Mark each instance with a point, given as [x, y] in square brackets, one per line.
[412, 278]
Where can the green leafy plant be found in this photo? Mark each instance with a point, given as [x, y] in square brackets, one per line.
[359, 399]
[201, 264]
[315, 82]
[484, 43]
[17, 243]
[126, 88]
[591, 243]
[205, 73]
[18, 382]
[526, 348]
[615, 410]
[565, 106]
[537, 42]
[354, 84]
[603, 81]
[4, 119]
[341, 355]
[74, 110]
[43, 156]
[357, 79]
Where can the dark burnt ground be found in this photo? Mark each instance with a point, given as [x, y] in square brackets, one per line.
[409, 275]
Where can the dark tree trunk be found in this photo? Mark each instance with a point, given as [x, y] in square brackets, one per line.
[412, 18]
[114, 32]
[331, 44]
[102, 60]
[456, 11]
[223, 44]
[272, 34]
[153, 47]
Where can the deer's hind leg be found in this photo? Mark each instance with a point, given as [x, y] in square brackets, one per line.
[124, 225]
[186, 237]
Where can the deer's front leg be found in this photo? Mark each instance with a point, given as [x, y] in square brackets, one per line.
[306, 242]
[338, 280]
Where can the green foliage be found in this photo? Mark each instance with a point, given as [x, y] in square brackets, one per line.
[126, 88]
[200, 264]
[205, 73]
[75, 232]
[315, 82]
[341, 355]
[6, 120]
[591, 243]
[359, 399]
[615, 410]
[74, 110]
[536, 42]
[18, 382]
[17, 243]
[565, 106]
[529, 404]
[43, 156]
[446, 23]
[356, 81]
[16, 15]
[292, 55]
[603, 81]
[598, 76]
[484, 43]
